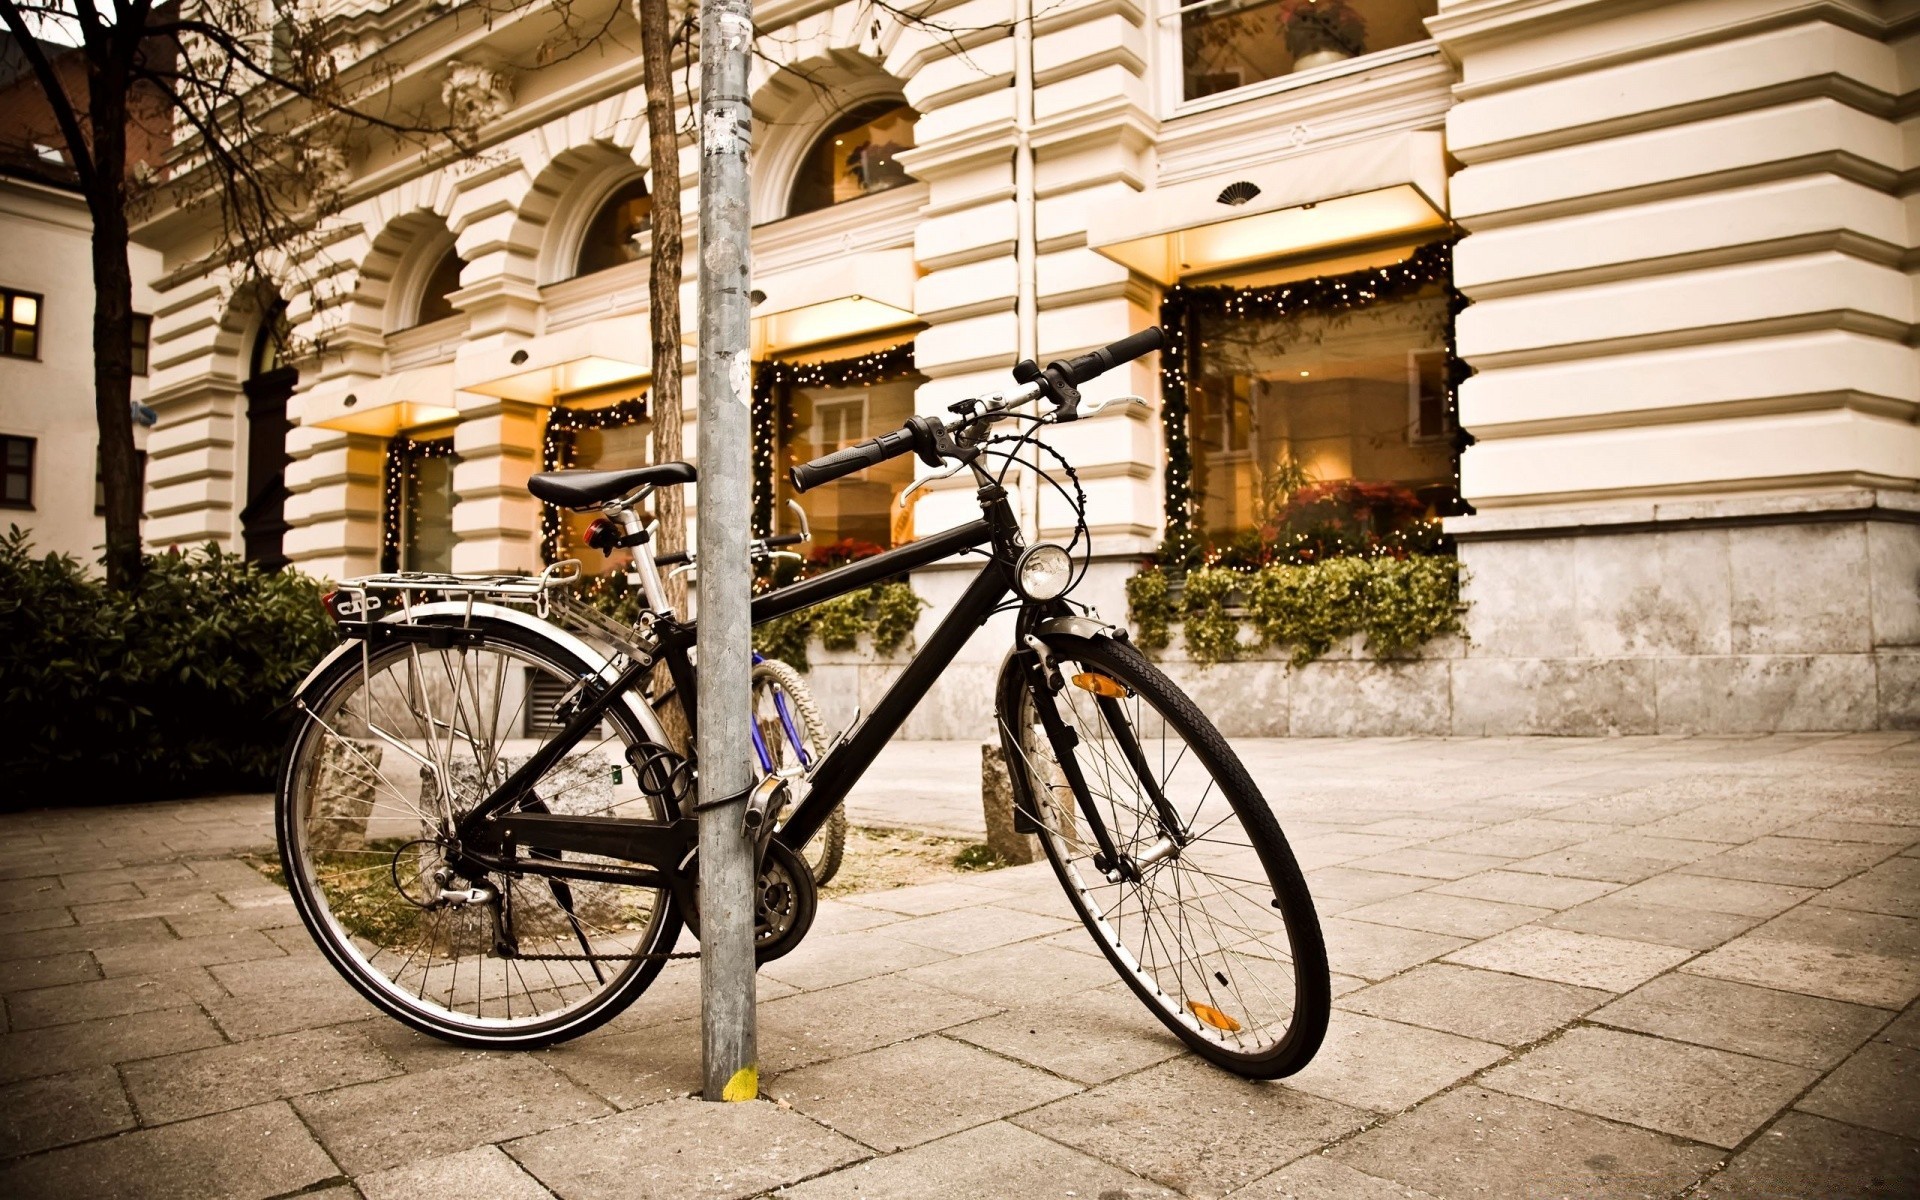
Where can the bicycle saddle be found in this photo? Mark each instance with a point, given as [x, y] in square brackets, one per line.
[586, 489]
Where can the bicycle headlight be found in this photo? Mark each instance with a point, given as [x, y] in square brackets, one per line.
[1043, 571]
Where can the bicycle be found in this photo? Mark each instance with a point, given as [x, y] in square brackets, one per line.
[533, 884]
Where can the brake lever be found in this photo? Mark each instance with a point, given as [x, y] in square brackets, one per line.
[917, 484]
[1095, 408]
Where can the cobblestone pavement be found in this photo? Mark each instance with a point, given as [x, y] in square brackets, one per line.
[1633, 967]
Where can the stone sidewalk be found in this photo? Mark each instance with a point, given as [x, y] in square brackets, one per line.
[1631, 967]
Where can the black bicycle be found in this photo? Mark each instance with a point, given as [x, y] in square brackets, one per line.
[486, 829]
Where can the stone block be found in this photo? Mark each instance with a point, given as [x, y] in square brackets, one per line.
[1804, 1155]
[246, 1155]
[1652, 593]
[1248, 698]
[1893, 569]
[1799, 589]
[1520, 598]
[1565, 697]
[997, 805]
[985, 1163]
[1370, 698]
[1763, 1022]
[1767, 693]
[1485, 1005]
[1899, 678]
[1874, 1088]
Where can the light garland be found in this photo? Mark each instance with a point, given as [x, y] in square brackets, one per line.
[400, 490]
[773, 384]
[1183, 306]
[556, 454]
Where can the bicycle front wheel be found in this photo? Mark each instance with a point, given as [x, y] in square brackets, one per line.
[393, 748]
[1169, 854]
[794, 735]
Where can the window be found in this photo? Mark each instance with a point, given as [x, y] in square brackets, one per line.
[1324, 431]
[16, 472]
[615, 448]
[270, 342]
[142, 337]
[621, 218]
[436, 303]
[856, 156]
[429, 525]
[1226, 44]
[19, 324]
[863, 507]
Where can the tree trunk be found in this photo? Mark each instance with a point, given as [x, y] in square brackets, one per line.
[663, 298]
[113, 335]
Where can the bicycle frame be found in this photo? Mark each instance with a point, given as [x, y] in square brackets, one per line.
[489, 834]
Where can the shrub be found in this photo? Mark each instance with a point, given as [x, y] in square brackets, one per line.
[175, 687]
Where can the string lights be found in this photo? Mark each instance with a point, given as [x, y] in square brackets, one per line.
[773, 384]
[1183, 307]
[400, 490]
[557, 447]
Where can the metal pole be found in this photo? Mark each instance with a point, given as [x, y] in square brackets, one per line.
[726, 855]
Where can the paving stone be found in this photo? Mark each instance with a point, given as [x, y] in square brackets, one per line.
[1577, 863]
[1377, 951]
[1763, 1022]
[1892, 887]
[1904, 1030]
[1563, 956]
[108, 1040]
[287, 1008]
[1459, 916]
[68, 939]
[1386, 1066]
[1472, 1143]
[60, 1109]
[684, 1150]
[1194, 1127]
[857, 1017]
[1346, 883]
[246, 1155]
[1023, 973]
[1657, 923]
[1091, 1037]
[373, 1126]
[1332, 849]
[1834, 829]
[47, 891]
[152, 906]
[1430, 864]
[482, 1171]
[1864, 958]
[156, 957]
[1804, 1155]
[1736, 896]
[1518, 839]
[1796, 862]
[837, 916]
[985, 1163]
[28, 920]
[948, 1086]
[227, 1077]
[627, 1070]
[26, 974]
[1693, 1092]
[963, 931]
[843, 958]
[1317, 1178]
[1874, 1088]
[926, 899]
[1519, 887]
[92, 1000]
[1485, 1005]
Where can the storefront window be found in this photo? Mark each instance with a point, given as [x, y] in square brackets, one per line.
[1317, 434]
[429, 544]
[1226, 44]
[609, 241]
[862, 508]
[855, 157]
[615, 448]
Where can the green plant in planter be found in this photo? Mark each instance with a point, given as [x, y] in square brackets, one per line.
[887, 611]
[1213, 632]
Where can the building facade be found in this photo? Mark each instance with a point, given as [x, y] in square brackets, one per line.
[1620, 294]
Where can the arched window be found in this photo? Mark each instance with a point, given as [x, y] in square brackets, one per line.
[436, 298]
[609, 240]
[856, 156]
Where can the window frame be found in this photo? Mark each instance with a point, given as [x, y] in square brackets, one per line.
[8, 325]
[141, 355]
[874, 108]
[8, 470]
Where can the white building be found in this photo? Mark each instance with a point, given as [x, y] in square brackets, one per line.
[49, 437]
[1686, 231]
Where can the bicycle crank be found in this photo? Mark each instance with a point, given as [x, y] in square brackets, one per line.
[784, 902]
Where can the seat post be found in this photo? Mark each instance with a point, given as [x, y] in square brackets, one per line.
[622, 513]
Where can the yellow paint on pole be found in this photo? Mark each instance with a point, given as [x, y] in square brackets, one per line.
[745, 1084]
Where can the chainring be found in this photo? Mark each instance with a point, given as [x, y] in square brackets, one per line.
[784, 903]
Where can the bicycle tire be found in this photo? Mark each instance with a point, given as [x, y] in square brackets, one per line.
[351, 911]
[824, 852]
[1245, 927]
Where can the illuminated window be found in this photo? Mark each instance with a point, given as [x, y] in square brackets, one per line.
[862, 507]
[436, 300]
[622, 217]
[428, 544]
[1334, 428]
[615, 448]
[16, 472]
[857, 156]
[142, 336]
[1225, 44]
[19, 324]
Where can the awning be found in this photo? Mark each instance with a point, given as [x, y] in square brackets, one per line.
[388, 405]
[852, 296]
[1372, 190]
[542, 370]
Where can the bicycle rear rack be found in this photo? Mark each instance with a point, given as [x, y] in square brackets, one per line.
[381, 607]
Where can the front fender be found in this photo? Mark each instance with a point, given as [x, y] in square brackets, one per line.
[1086, 627]
[597, 662]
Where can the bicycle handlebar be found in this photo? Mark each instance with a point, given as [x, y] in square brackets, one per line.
[1073, 372]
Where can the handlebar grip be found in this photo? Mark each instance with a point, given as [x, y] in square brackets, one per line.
[1090, 366]
[671, 560]
[858, 457]
[785, 539]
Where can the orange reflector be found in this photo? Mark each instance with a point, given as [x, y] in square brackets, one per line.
[1099, 685]
[1213, 1016]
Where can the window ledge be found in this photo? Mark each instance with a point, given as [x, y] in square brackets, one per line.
[1305, 79]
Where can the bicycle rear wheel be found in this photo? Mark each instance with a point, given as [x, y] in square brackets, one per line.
[1169, 854]
[393, 748]
[784, 711]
